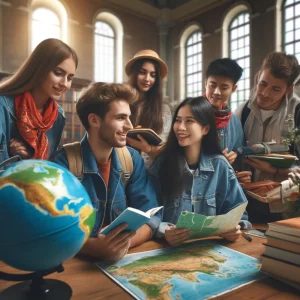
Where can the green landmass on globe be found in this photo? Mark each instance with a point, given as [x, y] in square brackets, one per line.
[152, 273]
[41, 189]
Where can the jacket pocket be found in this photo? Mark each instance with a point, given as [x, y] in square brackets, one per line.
[211, 205]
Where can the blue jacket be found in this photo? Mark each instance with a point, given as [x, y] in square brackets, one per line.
[214, 184]
[9, 130]
[231, 136]
[139, 192]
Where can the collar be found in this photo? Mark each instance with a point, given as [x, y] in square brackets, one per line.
[89, 161]
[205, 163]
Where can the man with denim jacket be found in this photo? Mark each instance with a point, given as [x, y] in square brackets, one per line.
[104, 112]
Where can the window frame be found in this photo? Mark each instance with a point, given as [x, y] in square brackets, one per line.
[115, 49]
[186, 61]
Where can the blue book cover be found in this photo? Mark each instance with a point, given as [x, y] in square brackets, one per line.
[135, 218]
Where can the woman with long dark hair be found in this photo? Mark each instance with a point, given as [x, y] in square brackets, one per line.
[146, 71]
[31, 122]
[191, 174]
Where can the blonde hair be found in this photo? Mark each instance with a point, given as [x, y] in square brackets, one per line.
[45, 57]
[97, 97]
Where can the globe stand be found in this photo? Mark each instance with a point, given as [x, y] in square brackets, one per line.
[36, 289]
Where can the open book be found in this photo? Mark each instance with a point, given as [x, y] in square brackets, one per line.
[203, 226]
[135, 218]
[148, 134]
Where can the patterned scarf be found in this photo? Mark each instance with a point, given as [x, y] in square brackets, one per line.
[222, 116]
[32, 125]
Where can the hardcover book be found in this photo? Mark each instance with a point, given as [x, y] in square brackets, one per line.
[288, 226]
[284, 245]
[284, 255]
[148, 134]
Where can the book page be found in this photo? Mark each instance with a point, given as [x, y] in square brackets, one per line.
[203, 226]
[151, 212]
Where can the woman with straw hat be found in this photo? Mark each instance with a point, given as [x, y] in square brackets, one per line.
[146, 71]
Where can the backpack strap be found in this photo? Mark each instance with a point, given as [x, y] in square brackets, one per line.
[126, 163]
[74, 157]
[245, 113]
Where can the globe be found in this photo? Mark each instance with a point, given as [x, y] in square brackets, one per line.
[45, 215]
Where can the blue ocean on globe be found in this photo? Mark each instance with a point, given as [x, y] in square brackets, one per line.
[45, 215]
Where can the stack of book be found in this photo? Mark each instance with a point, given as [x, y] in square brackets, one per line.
[281, 258]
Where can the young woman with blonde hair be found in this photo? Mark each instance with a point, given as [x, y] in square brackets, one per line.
[31, 122]
[146, 71]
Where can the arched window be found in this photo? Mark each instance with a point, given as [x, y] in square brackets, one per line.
[190, 61]
[104, 52]
[291, 27]
[193, 63]
[49, 19]
[108, 48]
[45, 24]
[239, 50]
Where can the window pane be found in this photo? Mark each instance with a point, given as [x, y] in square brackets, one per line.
[297, 23]
[289, 13]
[240, 51]
[288, 2]
[289, 37]
[44, 24]
[297, 47]
[289, 49]
[104, 52]
[289, 25]
[193, 61]
[297, 10]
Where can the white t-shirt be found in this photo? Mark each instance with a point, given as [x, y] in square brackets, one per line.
[265, 114]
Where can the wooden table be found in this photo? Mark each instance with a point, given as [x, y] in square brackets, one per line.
[88, 281]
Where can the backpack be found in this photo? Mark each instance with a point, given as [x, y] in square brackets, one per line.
[74, 157]
[246, 111]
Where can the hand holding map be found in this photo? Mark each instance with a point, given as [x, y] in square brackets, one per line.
[203, 226]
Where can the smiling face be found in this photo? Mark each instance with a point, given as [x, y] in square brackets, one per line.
[218, 90]
[57, 81]
[270, 90]
[146, 77]
[114, 127]
[188, 131]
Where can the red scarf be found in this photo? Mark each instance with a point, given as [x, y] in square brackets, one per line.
[222, 117]
[32, 125]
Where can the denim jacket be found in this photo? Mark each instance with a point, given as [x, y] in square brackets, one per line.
[231, 136]
[139, 192]
[212, 190]
[9, 130]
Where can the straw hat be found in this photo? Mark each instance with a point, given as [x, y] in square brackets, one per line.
[147, 54]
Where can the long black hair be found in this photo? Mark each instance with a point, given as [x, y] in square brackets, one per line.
[172, 167]
[151, 114]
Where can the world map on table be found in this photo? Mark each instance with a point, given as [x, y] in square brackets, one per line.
[197, 270]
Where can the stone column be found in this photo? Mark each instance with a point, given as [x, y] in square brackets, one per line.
[164, 27]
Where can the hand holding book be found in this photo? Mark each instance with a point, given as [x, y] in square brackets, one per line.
[150, 136]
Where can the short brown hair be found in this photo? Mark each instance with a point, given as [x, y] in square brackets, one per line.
[282, 66]
[97, 97]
